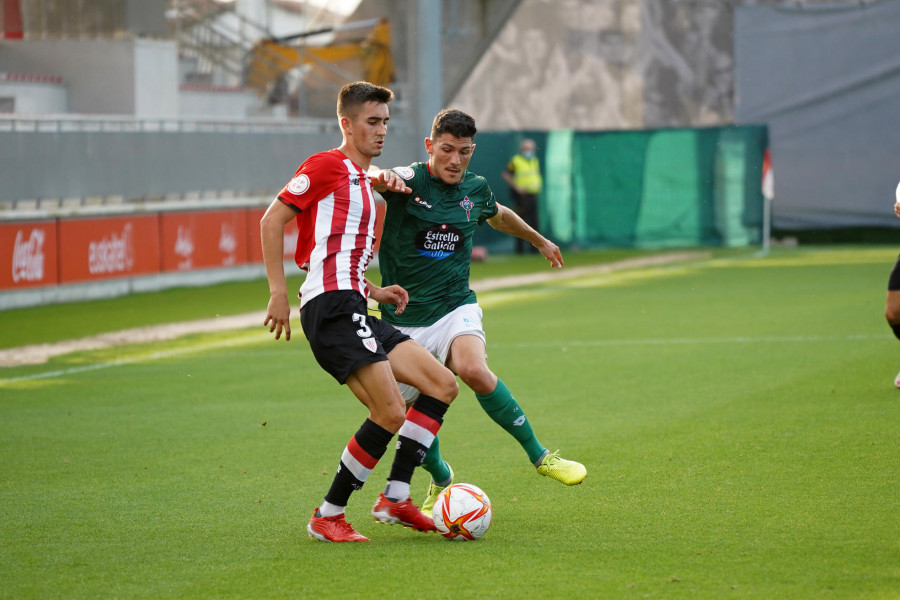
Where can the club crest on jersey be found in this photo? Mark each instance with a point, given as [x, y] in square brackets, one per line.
[298, 184]
[404, 172]
[421, 202]
[371, 344]
[467, 205]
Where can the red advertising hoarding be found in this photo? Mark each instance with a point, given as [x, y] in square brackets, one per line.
[50, 252]
[109, 247]
[28, 255]
[203, 240]
[255, 251]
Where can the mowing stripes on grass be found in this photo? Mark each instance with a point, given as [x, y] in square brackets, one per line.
[801, 339]
[739, 426]
[255, 339]
[241, 340]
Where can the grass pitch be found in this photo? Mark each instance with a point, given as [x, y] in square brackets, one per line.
[736, 415]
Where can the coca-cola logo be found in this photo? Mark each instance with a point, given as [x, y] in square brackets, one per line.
[113, 254]
[28, 256]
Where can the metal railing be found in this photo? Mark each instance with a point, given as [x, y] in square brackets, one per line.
[110, 123]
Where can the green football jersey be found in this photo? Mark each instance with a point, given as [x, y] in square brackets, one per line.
[426, 243]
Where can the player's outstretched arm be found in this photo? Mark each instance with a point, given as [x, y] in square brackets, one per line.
[507, 221]
[386, 180]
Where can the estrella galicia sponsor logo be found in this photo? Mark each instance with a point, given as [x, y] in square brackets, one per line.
[439, 241]
[419, 200]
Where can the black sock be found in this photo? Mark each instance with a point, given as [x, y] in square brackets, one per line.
[359, 458]
[423, 419]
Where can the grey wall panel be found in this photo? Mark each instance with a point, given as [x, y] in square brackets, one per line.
[826, 80]
[36, 165]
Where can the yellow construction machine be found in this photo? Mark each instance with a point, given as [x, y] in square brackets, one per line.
[359, 51]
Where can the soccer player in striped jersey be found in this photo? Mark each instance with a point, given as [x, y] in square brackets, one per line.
[332, 200]
[433, 209]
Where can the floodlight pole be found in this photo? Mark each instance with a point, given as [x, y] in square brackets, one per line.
[428, 80]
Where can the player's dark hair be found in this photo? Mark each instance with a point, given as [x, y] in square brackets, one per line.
[455, 122]
[353, 95]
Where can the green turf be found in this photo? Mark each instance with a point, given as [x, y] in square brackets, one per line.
[47, 324]
[736, 416]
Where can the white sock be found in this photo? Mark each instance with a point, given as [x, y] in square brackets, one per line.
[330, 510]
[396, 491]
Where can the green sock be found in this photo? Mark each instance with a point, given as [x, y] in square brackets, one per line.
[506, 412]
[435, 465]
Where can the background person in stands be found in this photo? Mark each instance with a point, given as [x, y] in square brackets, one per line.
[523, 174]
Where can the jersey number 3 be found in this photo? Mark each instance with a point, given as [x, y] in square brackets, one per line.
[364, 331]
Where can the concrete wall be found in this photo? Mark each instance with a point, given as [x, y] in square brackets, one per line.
[610, 64]
[130, 163]
[212, 102]
[146, 17]
[155, 78]
[34, 97]
[111, 77]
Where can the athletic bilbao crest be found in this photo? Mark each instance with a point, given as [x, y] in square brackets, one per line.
[371, 344]
[298, 184]
[467, 205]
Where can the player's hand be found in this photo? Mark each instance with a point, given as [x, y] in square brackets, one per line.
[897, 208]
[278, 316]
[392, 294]
[552, 253]
[387, 180]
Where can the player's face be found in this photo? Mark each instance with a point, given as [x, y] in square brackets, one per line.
[449, 157]
[367, 129]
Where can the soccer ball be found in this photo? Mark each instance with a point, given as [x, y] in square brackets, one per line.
[462, 512]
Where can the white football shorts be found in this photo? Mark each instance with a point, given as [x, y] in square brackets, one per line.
[436, 338]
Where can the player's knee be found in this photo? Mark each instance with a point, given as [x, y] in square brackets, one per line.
[393, 420]
[389, 417]
[478, 377]
[447, 387]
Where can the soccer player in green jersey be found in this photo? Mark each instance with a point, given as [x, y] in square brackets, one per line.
[426, 247]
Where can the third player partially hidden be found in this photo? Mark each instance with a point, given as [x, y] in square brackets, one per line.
[426, 247]
[892, 304]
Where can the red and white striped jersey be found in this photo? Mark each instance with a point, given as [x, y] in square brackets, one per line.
[336, 223]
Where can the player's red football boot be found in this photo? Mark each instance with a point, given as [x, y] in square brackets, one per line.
[406, 513]
[333, 529]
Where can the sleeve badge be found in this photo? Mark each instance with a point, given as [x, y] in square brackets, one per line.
[298, 184]
[404, 172]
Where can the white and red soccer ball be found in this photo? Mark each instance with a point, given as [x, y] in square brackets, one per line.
[462, 512]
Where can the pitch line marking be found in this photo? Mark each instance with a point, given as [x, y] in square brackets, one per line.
[699, 341]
